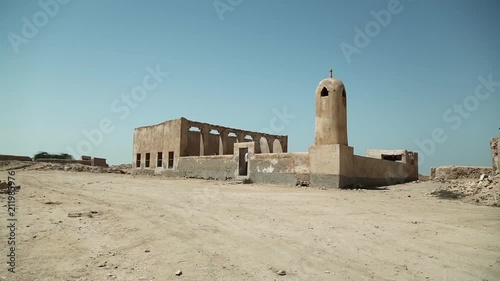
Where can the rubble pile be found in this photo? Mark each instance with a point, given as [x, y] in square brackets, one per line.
[484, 191]
[5, 189]
[74, 168]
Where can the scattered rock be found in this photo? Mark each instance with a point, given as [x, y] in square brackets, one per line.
[147, 251]
[281, 272]
[178, 272]
[4, 187]
[74, 215]
[103, 264]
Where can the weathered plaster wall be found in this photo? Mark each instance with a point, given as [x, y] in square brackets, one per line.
[285, 168]
[220, 167]
[370, 172]
[193, 148]
[163, 138]
[213, 145]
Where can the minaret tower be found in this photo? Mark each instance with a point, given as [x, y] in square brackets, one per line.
[331, 112]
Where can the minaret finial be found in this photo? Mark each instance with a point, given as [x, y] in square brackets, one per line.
[331, 73]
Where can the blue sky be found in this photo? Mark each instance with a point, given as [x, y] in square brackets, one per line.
[237, 63]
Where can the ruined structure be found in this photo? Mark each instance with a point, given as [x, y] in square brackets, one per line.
[173, 148]
[495, 152]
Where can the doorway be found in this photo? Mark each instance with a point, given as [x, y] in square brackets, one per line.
[243, 162]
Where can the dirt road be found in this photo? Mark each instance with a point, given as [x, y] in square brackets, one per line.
[125, 228]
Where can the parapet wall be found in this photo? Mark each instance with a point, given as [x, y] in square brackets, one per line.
[14, 157]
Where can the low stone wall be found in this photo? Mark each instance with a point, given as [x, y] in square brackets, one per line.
[65, 161]
[286, 169]
[459, 172]
[14, 157]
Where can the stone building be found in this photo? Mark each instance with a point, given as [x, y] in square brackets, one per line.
[173, 148]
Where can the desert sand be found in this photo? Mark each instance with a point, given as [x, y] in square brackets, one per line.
[91, 226]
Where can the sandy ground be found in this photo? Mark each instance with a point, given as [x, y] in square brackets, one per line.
[148, 228]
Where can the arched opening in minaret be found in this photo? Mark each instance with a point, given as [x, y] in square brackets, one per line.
[324, 92]
[344, 97]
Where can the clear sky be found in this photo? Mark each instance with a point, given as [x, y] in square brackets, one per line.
[254, 65]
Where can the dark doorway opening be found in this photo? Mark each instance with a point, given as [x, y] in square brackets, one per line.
[159, 161]
[138, 161]
[170, 159]
[243, 162]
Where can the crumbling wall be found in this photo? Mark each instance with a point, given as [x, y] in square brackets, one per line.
[459, 172]
[286, 169]
[14, 157]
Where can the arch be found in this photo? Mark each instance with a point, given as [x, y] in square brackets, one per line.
[277, 146]
[264, 145]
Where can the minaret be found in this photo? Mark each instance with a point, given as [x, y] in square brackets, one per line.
[331, 112]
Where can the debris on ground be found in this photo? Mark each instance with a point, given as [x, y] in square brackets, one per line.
[484, 191]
